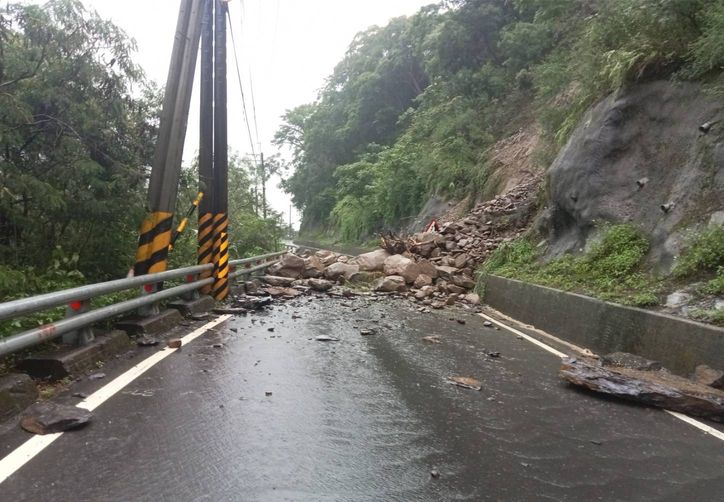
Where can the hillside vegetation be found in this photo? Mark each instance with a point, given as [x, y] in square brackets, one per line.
[415, 107]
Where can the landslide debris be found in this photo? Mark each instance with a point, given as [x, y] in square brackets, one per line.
[433, 268]
[653, 387]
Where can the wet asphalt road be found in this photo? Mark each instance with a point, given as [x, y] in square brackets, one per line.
[364, 419]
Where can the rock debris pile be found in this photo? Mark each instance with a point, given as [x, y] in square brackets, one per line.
[433, 268]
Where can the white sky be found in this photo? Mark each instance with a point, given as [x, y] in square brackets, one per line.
[289, 46]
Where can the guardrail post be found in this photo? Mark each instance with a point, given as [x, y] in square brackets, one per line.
[191, 295]
[81, 336]
[152, 309]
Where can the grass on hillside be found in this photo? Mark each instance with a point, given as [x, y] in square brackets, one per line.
[610, 270]
[613, 268]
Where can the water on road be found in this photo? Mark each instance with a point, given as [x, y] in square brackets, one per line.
[273, 414]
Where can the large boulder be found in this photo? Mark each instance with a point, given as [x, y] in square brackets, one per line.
[391, 284]
[327, 257]
[446, 272]
[337, 270]
[427, 268]
[290, 265]
[423, 280]
[464, 281]
[274, 280]
[402, 266]
[371, 262]
[313, 267]
[461, 260]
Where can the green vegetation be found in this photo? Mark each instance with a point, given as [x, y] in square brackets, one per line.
[704, 253]
[711, 316]
[414, 107]
[703, 257]
[610, 269]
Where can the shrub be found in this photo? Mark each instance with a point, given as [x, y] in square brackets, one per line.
[704, 253]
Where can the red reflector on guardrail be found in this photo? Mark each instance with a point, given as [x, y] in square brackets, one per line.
[189, 278]
[76, 305]
[148, 288]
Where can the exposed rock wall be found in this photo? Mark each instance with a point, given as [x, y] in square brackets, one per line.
[638, 156]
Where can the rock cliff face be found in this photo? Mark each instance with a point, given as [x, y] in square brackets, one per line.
[639, 156]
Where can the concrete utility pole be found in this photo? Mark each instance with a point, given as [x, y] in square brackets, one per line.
[263, 185]
[220, 288]
[206, 143]
[155, 233]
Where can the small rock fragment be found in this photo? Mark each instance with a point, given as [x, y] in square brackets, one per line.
[326, 338]
[96, 376]
[431, 339]
[488, 324]
[434, 473]
[465, 382]
[367, 332]
[48, 417]
[174, 343]
[147, 341]
[230, 310]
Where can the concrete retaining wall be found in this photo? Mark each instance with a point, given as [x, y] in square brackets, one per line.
[605, 327]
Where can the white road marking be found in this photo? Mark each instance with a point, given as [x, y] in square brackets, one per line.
[527, 337]
[33, 446]
[684, 418]
[699, 425]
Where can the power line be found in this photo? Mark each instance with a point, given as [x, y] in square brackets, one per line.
[241, 86]
[253, 107]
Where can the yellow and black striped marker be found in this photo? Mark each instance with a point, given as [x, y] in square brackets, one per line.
[182, 225]
[221, 257]
[155, 237]
[206, 246]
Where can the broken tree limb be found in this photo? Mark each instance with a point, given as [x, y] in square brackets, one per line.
[653, 388]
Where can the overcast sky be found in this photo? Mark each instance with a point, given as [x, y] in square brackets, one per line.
[288, 46]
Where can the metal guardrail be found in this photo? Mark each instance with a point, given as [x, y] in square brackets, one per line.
[79, 317]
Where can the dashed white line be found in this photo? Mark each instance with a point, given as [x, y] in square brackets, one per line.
[33, 446]
[684, 418]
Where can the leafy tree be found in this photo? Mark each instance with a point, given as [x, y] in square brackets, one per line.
[77, 124]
